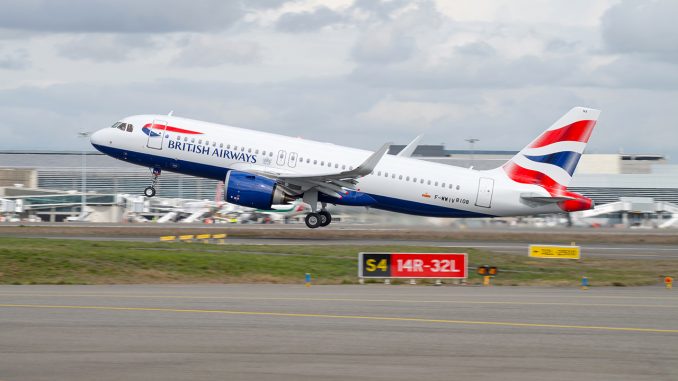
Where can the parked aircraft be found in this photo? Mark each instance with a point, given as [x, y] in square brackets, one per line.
[261, 169]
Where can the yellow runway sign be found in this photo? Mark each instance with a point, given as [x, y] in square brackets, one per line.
[552, 251]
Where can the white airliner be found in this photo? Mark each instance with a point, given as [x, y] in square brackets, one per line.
[262, 169]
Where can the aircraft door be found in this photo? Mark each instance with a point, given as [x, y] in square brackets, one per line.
[156, 134]
[485, 189]
[281, 157]
[292, 160]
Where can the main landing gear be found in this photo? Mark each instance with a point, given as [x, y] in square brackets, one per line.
[150, 191]
[317, 220]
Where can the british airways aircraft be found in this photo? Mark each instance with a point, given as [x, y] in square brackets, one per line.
[262, 169]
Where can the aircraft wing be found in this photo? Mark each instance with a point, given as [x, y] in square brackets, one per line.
[330, 183]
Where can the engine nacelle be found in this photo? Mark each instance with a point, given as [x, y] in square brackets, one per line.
[253, 191]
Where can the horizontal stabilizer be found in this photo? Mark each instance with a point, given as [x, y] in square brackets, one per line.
[534, 197]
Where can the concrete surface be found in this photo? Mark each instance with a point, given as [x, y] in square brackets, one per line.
[371, 332]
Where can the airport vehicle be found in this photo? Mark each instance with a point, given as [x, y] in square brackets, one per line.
[262, 169]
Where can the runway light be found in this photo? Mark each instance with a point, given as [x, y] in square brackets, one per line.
[492, 271]
[483, 270]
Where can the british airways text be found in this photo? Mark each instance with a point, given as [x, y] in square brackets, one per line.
[208, 151]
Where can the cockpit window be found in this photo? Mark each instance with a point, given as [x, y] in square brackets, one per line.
[123, 126]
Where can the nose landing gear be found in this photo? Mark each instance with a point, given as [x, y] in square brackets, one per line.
[150, 191]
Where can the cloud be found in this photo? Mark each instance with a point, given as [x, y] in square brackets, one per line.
[381, 70]
[119, 16]
[468, 71]
[383, 44]
[644, 27]
[478, 48]
[208, 51]
[106, 47]
[633, 72]
[308, 21]
[394, 37]
[15, 59]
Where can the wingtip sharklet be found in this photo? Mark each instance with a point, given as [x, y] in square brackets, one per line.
[411, 147]
[371, 162]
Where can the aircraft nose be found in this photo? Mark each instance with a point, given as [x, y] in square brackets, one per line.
[98, 138]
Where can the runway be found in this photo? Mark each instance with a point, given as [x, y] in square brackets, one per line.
[372, 332]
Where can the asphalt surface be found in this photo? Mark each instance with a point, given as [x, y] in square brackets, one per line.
[371, 332]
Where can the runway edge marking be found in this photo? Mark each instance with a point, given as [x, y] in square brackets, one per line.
[404, 301]
[353, 317]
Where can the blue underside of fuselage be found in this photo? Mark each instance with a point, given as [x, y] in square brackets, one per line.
[353, 199]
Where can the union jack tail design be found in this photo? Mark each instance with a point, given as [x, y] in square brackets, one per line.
[550, 160]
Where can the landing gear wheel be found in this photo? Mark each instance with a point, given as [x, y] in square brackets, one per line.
[312, 220]
[325, 218]
[149, 192]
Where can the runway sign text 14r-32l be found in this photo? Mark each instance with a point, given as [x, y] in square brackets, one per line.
[413, 265]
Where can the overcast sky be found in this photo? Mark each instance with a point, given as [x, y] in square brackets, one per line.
[358, 73]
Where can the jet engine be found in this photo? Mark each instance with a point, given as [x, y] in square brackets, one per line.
[253, 191]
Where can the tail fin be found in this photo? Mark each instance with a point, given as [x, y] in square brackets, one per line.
[550, 160]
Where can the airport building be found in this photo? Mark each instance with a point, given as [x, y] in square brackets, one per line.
[51, 182]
